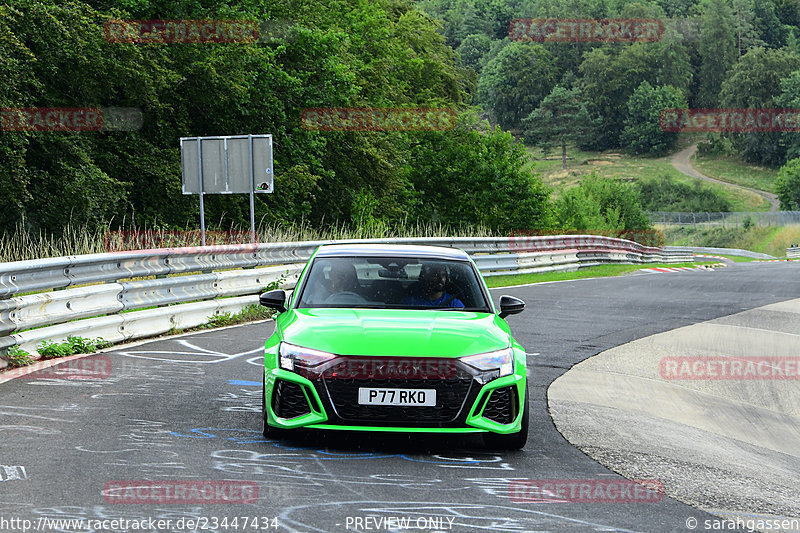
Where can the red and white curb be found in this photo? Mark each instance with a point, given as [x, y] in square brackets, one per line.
[662, 270]
[757, 260]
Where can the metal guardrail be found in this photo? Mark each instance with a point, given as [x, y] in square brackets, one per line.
[726, 220]
[111, 295]
[793, 252]
[725, 251]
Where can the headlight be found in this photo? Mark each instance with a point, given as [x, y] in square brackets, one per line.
[501, 361]
[290, 355]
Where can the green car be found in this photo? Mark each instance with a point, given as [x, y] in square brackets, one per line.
[394, 338]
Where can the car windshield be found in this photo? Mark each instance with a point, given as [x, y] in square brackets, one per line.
[393, 283]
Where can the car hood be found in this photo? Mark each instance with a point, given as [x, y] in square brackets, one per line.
[394, 332]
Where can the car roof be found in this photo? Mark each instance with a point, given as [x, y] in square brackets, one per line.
[391, 250]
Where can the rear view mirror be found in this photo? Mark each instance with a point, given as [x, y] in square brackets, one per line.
[510, 305]
[274, 300]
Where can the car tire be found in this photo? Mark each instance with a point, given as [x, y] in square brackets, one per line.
[268, 431]
[512, 441]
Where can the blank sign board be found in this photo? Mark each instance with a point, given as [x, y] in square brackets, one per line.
[229, 164]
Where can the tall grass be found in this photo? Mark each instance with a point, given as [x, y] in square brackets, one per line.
[23, 244]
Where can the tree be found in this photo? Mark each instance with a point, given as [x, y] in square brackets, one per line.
[767, 23]
[669, 61]
[751, 84]
[790, 99]
[787, 186]
[788, 11]
[56, 179]
[514, 82]
[464, 18]
[676, 8]
[643, 133]
[499, 13]
[472, 50]
[747, 36]
[474, 174]
[609, 79]
[338, 53]
[717, 48]
[561, 117]
[18, 88]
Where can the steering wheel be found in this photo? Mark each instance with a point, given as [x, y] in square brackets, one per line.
[345, 297]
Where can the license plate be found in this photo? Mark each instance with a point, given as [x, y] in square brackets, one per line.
[403, 397]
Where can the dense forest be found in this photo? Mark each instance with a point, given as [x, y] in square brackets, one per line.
[380, 53]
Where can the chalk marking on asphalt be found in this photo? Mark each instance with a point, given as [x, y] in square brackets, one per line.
[244, 383]
[211, 356]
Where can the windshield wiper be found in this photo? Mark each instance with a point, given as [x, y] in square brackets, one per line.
[467, 309]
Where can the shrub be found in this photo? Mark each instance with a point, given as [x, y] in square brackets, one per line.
[72, 346]
[667, 194]
[17, 357]
[601, 204]
[788, 185]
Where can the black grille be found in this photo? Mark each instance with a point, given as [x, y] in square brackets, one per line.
[502, 405]
[288, 400]
[450, 398]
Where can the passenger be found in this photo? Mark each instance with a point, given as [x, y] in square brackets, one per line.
[429, 290]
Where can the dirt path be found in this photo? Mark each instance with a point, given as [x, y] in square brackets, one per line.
[682, 163]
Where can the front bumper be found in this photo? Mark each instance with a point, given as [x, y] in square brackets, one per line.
[468, 406]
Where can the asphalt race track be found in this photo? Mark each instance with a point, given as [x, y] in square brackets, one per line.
[189, 408]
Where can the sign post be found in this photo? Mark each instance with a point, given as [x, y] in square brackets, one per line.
[233, 164]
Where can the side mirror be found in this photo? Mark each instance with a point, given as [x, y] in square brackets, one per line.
[274, 300]
[510, 306]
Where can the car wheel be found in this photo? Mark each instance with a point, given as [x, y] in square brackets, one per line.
[512, 441]
[267, 430]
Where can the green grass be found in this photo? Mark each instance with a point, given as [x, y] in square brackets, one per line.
[736, 171]
[768, 240]
[600, 271]
[616, 164]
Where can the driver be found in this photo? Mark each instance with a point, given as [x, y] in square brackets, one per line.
[430, 289]
[343, 277]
